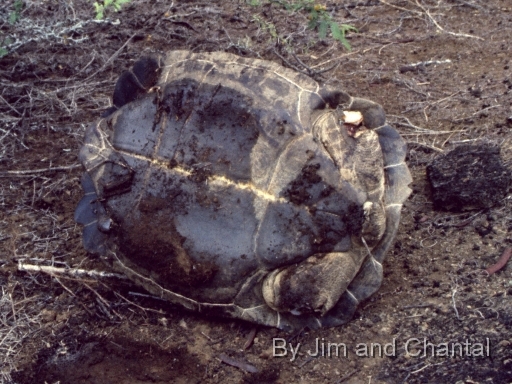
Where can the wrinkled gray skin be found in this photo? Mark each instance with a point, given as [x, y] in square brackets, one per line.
[228, 185]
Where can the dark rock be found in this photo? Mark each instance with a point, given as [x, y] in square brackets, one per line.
[469, 177]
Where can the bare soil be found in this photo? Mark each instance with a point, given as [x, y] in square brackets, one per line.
[58, 77]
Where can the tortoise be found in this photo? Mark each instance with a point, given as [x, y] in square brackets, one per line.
[234, 187]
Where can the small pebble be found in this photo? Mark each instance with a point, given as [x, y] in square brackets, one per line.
[48, 315]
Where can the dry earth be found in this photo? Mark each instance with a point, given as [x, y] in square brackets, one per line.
[58, 76]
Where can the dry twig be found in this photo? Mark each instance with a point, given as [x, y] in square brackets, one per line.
[501, 262]
[237, 363]
[25, 172]
[454, 292]
[441, 28]
[250, 338]
[66, 271]
[111, 58]
[422, 64]
[427, 13]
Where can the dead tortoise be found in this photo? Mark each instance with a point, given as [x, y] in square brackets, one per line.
[233, 187]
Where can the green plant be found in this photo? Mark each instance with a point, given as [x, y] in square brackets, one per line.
[319, 18]
[101, 6]
[4, 43]
[269, 27]
[14, 16]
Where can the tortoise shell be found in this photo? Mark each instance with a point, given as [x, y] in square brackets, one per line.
[232, 186]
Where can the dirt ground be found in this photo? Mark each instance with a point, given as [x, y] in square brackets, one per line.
[57, 77]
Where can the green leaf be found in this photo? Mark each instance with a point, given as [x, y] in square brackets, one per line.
[304, 4]
[322, 29]
[346, 28]
[313, 16]
[272, 30]
[13, 17]
[117, 4]
[339, 33]
[3, 52]
[336, 31]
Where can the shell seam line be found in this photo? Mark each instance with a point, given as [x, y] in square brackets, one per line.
[394, 165]
[213, 179]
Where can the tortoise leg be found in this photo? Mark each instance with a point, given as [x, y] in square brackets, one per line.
[135, 83]
[315, 285]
